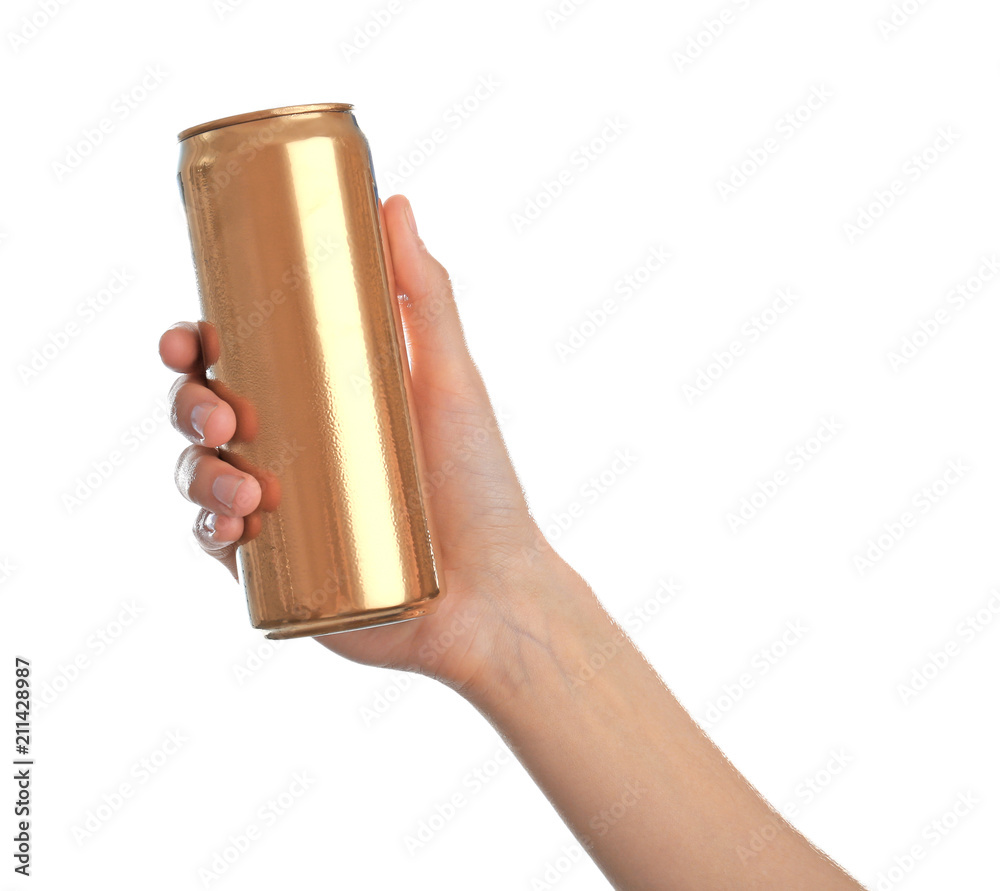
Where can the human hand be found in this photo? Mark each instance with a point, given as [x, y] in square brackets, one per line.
[518, 629]
[492, 555]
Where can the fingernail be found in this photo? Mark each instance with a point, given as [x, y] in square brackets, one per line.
[210, 539]
[409, 219]
[200, 415]
[225, 488]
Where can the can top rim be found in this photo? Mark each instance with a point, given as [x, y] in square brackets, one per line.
[260, 115]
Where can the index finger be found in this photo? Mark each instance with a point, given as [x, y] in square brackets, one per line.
[180, 348]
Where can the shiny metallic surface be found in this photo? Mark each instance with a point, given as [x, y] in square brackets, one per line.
[301, 335]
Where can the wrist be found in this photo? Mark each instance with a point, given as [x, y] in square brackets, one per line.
[544, 630]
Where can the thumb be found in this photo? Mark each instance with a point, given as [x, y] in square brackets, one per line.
[439, 355]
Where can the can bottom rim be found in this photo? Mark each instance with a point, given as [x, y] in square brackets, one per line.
[353, 621]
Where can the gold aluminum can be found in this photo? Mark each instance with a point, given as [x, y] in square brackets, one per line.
[302, 336]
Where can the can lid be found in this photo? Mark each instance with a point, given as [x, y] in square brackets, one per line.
[260, 115]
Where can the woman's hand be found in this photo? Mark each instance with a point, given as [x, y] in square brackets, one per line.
[492, 554]
[520, 634]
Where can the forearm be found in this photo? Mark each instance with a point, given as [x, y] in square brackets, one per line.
[656, 804]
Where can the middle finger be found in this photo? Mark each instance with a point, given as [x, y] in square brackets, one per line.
[204, 478]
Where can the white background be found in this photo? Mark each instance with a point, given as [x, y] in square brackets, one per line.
[70, 569]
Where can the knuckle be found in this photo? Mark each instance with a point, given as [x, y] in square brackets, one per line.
[177, 386]
[174, 397]
[186, 468]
